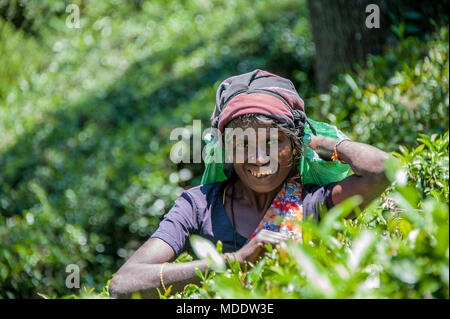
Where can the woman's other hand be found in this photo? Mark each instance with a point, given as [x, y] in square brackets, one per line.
[255, 249]
[316, 142]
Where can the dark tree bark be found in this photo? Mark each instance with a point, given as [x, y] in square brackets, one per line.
[342, 38]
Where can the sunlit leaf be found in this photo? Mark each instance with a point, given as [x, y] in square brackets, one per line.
[306, 263]
[361, 247]
[204, 249]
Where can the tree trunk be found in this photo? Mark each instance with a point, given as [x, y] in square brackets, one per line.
[342, 38]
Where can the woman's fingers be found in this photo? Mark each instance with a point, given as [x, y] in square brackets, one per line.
[272, 237]
[255, 248]
[274, 234]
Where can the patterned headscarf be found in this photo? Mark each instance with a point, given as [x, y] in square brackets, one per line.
[258, 92]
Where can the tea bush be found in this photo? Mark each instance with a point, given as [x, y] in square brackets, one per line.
[395, 97]
[85, 115]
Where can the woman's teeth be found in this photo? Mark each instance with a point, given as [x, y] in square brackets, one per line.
[260, 174]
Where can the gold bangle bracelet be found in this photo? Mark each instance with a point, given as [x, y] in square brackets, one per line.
[161, 276]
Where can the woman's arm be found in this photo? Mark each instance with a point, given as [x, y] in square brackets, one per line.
[141, 273]
[366, 161]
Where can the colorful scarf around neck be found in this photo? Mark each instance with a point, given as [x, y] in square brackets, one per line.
[285, 212]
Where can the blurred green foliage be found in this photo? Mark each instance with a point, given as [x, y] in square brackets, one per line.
[85, 116]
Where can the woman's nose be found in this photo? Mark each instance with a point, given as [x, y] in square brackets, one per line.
[261, 157]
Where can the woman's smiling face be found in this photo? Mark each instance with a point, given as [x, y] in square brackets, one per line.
[262, 169]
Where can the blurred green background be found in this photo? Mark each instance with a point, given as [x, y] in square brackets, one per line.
[86, 113]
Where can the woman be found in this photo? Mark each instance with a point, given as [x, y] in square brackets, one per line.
[259, 202]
